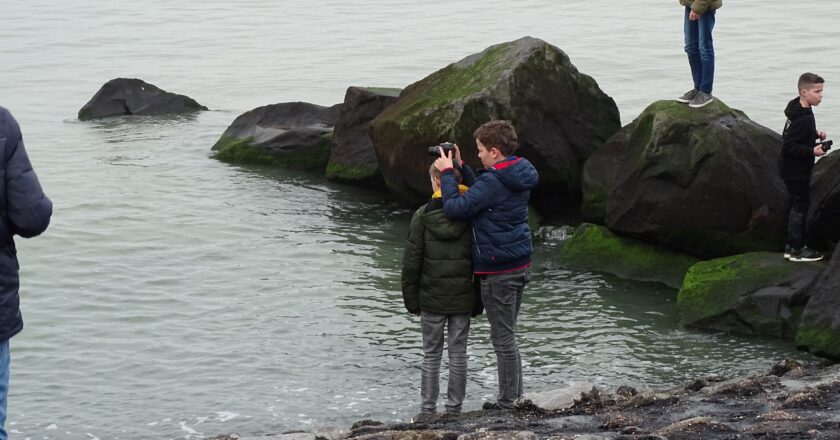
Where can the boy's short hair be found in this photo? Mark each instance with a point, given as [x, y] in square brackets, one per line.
[434, 172]
[808, 80]
[498, 134]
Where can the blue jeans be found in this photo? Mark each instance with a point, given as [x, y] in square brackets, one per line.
[502, 297]
[458, 327]
[700, 49]
[5, 359]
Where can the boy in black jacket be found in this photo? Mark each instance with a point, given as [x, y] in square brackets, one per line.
[796, 162]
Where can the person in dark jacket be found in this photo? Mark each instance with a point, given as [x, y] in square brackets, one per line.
[497, 205]
[437, 284]
[26, 212]
[796, 161]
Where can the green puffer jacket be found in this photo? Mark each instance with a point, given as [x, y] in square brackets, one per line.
[701, 6]
[437, 269]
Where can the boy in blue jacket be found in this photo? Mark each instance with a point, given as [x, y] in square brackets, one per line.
[497, 205]
[26, 212]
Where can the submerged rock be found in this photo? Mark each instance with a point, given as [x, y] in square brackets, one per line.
[131, 96]
[560, 115]
[756, 293]
[595, 248]
[701, 181]
[353, 159]
[819, 331]
[292, 135]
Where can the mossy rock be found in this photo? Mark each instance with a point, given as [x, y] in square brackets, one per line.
[353, 159]
[824, 212]
[560, 114]
[757, 293]
[310, 155]
[289, 135]
[595, 248]
[819, 332]
[701, 181]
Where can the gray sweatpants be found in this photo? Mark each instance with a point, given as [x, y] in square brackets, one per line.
[502, 296]
[432, 325]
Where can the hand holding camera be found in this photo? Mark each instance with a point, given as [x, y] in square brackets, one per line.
[447, 153]
[826, 145]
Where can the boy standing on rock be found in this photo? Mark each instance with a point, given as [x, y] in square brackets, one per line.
[697, 27]
[497, 204]
[796, 162]
[437, 284]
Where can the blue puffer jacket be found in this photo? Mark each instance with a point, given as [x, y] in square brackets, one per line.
[26, 212]
[497, 204]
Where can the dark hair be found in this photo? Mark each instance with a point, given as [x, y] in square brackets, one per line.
[497, 134]
[807, 80]
[434, 172]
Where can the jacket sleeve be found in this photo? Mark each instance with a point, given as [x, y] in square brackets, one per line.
[464, 206]
[793, 137]
[412, 265]
[701, 6]
[27, 208]
[467, 175]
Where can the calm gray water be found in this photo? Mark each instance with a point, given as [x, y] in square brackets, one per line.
[178, 297]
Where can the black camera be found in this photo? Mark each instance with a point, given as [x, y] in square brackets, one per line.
[446, 147]
[826, 145]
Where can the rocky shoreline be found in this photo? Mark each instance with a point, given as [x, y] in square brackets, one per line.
[791, 401]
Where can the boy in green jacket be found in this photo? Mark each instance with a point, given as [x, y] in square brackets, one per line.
[437, 284]
[697, 27]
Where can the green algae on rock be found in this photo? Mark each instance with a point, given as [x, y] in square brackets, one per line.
[757, 293]
[290, 135]
[560, 114]
[819, 332]
[352, 159]
[596, 248]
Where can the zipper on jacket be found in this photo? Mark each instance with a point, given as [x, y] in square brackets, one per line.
[475, 239]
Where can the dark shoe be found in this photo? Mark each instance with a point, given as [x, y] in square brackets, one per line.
[787, 252]
[424, 417]
[494, 406]
[689, 95]
[701, 99]
[805, 254]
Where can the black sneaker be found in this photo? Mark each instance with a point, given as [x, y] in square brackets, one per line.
[805, 254]
[701, 99]
[787, 252]
[689, 95]
[494, 406]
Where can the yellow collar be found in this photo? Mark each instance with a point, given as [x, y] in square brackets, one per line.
[461, 188]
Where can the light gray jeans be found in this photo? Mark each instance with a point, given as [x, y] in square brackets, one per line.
[502, 296]
[432, 325]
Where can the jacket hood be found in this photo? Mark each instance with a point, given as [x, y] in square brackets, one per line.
[441, 226]
[795, 110]
[516, 173]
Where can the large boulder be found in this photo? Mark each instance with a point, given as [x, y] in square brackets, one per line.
[824, 212]
[290, 134]
[819, 331]
[131, 96]
[701, 181]
[758, 293]
[595, 248]
[600, 172]
[353, 159]
[560, 114]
